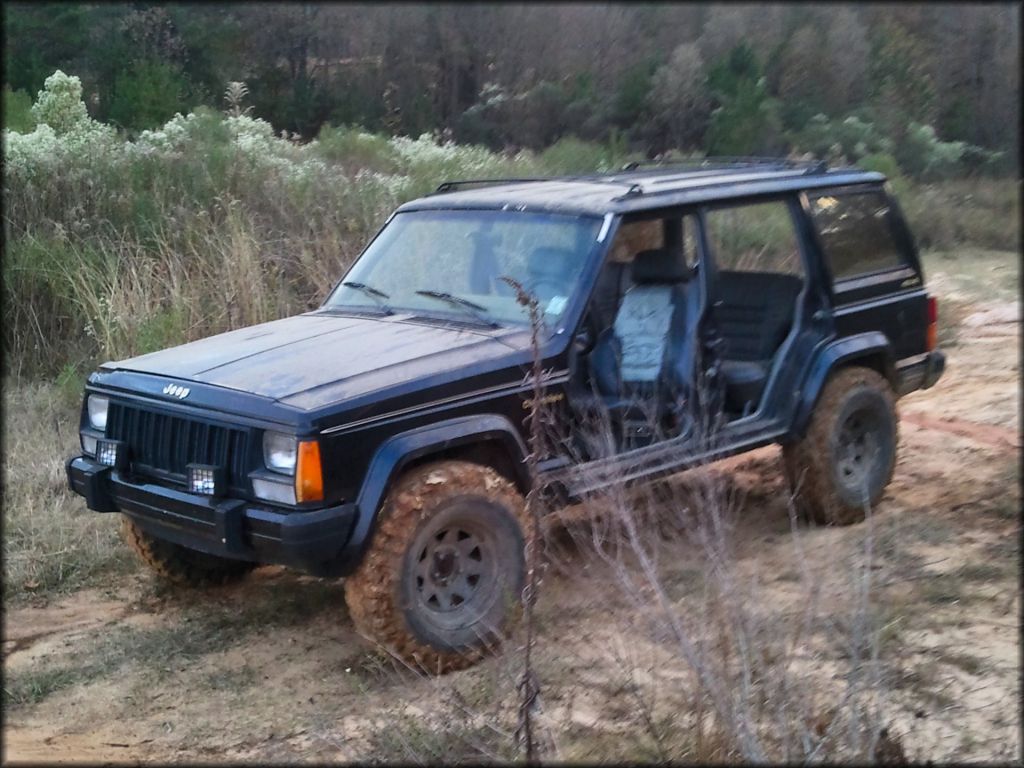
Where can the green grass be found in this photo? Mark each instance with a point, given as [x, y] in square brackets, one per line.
[29, 688]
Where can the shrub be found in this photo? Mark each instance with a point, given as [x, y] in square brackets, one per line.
[118, 246]
[979, 212]
[60, 104]
[18, 111]
[146, 95]
[923, 155]
[882, 162]
[571, 155]
[355, 149]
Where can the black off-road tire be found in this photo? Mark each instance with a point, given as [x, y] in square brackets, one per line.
[181, 565]
[415, 592]
[833, 475]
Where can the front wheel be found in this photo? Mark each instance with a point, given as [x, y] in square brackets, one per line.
[181, 565]
[845, 461]
[442, 580]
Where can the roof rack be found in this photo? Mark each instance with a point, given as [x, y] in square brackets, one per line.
[455, 186]
[634, 187]
[728, 161]
[606, 178]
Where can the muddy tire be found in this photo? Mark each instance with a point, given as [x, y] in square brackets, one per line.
[442, 580]
[845, 461]
[181, 565]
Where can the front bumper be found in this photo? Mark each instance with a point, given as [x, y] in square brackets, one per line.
[230, 528]
[921, 373]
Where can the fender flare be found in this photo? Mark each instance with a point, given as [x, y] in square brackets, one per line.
[873, 344]
[401, 449]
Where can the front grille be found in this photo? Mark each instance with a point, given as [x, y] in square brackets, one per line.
[163, 445]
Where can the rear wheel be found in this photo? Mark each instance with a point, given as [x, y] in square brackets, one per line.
[181, 565]
[441, 583]
[843, 464]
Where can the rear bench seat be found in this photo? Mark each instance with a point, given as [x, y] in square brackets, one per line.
[754, 312]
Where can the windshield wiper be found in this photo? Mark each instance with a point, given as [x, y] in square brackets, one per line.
[476, 310]
[375, 294]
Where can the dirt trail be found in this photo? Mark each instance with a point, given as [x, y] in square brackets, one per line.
[270, 669]
[988, 434]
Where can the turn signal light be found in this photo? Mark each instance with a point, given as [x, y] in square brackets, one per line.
[932, 336]
[309, 478]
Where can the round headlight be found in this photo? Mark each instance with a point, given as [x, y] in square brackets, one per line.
[97, 406]
[279, 452]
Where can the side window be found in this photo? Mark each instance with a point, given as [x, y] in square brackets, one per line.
[758, 237]
[675, 232]
[636, 236]
[856, 234]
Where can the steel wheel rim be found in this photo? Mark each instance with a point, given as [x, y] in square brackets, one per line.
[858, 450]
[454, 573]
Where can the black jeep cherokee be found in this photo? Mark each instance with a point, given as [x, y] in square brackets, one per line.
[382, 436]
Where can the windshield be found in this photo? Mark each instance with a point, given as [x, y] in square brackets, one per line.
[451, 262]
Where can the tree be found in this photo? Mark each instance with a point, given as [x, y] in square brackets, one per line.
[800, 84]
[902, 90]
[679, 97]
[42, 37]
[848, 52]
[746, 120]
[146, 96]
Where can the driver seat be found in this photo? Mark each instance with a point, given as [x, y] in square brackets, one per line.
[632, 363]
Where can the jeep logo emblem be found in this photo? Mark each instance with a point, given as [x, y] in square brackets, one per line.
[175, 391]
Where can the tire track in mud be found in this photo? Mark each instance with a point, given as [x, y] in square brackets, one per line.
[68, 617]
[988, 434]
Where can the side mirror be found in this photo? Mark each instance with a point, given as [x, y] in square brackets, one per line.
[584, 341]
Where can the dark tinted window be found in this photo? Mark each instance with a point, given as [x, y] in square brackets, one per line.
[856, 234]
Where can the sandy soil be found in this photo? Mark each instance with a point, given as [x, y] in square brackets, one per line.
[271, 670]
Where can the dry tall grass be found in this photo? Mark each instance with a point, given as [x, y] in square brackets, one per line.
[51, 542]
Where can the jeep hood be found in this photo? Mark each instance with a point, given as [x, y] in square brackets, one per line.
[314, 359]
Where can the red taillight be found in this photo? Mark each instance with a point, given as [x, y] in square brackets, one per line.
[932, 336]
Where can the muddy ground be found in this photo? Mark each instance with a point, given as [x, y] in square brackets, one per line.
[271, 670]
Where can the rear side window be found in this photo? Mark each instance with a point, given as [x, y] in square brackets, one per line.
[757, 237]
[856, 234]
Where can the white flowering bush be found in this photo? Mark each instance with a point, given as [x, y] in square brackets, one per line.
[202, 202]
[63, 132]
[60, 104]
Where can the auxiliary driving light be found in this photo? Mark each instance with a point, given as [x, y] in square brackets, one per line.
[206, 479]
[113, 453]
